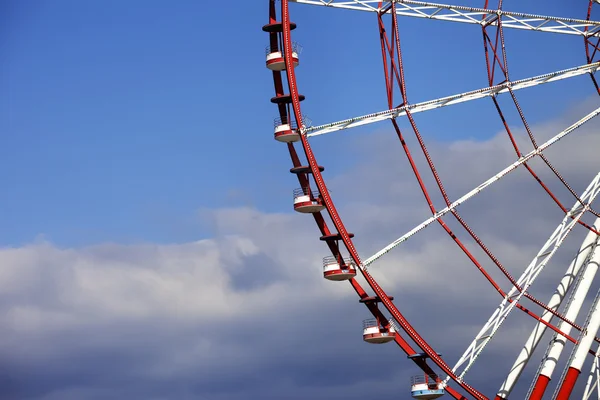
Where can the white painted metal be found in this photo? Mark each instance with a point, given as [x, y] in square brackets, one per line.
[469, 15]
[526, 280]
[450, 100]
[593, 378]
[558, 342]
[479, 188]
[561, 380]
[575, 267]
[282, 128]
[584, 344]
[587, 338]
[572, 308]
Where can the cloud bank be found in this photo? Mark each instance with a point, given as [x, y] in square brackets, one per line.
[246, 313]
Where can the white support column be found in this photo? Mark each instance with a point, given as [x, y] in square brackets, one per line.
[558, 343]
[568, 279]
[581, 351]
[526, 280]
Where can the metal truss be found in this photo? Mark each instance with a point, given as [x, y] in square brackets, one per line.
[527, 278]
[576, 281]
[593, 381]
[469, 15]
[450, 100]
[479, 188]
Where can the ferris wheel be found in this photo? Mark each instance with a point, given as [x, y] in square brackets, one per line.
[555, 316]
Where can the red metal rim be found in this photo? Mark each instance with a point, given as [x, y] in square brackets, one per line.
[392, 58]
[286, 111]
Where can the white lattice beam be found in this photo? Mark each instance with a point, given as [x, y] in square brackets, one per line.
[470, 15]
[480, 188]
[450, 100]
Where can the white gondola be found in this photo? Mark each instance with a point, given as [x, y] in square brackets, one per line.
[307, 201]
[338, 270]
[286, 131]
[426, 387]
[276, 61]
[375, 332]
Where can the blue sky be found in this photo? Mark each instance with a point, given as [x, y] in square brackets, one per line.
[121, 119]
[131, 130]
[122, 116]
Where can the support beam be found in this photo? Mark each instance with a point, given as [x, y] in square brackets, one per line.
[450, 100]
[581, 350]
[532, 271]
[575, 267]
[480, 188]
[468, 15]
[558, 342]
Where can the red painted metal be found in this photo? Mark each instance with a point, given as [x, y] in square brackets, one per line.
[540, 387]
[293, 90]
[542, 381]
[568, 384]
[495, 56]
[391, 48]
[471, 257]
[285, 112]
[499, 59]
[396, 70]
[340, 271]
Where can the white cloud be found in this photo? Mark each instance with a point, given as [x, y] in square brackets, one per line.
[252, 301]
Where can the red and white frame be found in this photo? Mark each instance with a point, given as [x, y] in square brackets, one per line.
[493, 21]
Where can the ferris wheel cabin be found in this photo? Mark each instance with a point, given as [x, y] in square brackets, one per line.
[375, 332]
[308, 201]
[276, 62]
[275, 58]
[338, 270]
[426, 386]
[286, 131]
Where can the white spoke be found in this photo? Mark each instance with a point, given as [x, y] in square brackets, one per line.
[470, 15]
[479, 188]
[450, 100]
